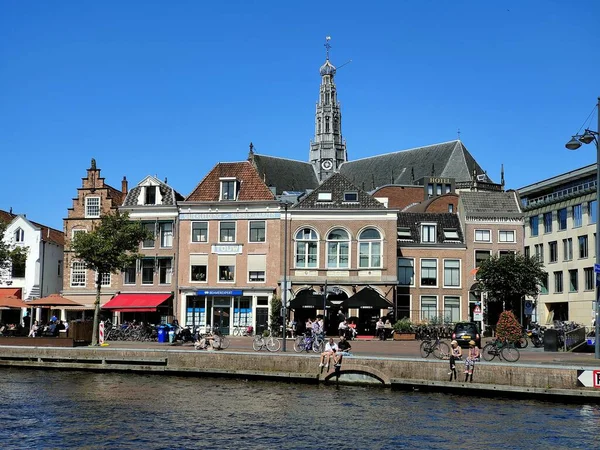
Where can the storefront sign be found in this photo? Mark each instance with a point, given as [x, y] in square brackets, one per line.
[234, 293]
[230, 249]
[229, 216]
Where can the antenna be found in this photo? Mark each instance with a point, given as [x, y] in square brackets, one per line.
[458, 132]
[346, 63]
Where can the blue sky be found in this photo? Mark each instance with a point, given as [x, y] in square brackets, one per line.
[172, 88]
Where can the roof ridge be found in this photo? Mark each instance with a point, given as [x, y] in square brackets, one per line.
[403, 151]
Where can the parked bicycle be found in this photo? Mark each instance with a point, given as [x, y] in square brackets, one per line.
[440, 349]
[307, 342]
[502, 349]
[269, 342]
[239, 330]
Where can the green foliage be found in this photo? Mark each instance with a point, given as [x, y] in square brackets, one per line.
[403, 325]
[510, 277]
[275, 314]
[508, 327]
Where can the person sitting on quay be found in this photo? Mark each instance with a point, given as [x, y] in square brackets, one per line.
[34, 329]
[344, 347]
[455, 354]
[330, 348]
[474, 354]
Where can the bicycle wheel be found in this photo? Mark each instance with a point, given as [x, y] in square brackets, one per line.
[489, 352]
[299, 344]
[510, 353]
[236, 331]
[318, 346]
[425, 349]
[257, 343]
[441, 350]
[273, 344]
[225, 342]
[522, 342]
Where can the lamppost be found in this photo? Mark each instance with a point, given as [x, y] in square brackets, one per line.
[285, 257]
[588, 137]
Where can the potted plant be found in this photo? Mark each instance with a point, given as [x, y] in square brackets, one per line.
[403, 330]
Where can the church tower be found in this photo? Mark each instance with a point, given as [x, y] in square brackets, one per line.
[328, 148]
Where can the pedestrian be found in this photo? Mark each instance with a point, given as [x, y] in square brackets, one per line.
[473, 356]
[455, 354]
[380, 329]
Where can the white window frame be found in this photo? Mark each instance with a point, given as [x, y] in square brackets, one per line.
[19, 235]
[234, 231]
[78, 268]
[106, 279]
[219, 273]
[411, 265]
[313, 240]
[205, 271]
[431, 235]
[459, 307]
[264, 222]
[74, 231]
[421, 273]
[192, 231]
[135, 270]
[506, 234]
[166, 237]
[459, 268]
[338, 245]
[89, 206]
[257, 278]
[482, 233]
[150, 226]
[369, 244]
[145, 283]
[169, 271]
[421, 315]
[222, 193]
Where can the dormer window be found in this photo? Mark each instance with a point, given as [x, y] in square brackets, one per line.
[150, 195]
[350, 196]
[404, 233]
[19, 236]
[428, 232]
[451, 234]
[324, 197]
[228, 189]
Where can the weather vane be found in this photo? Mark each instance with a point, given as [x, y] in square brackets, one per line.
[327, 45]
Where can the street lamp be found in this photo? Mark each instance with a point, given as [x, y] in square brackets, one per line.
[285, 257]
[588, 137]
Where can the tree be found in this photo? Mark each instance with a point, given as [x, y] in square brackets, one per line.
[508, 278]
[109, 248]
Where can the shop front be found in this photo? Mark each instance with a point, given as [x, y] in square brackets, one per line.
[152, 309]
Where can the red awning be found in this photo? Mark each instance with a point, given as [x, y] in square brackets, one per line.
[136, 302]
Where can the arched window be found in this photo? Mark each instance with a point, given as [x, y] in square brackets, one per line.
[306, 248]
[19, 235]
[338, 248]
[369, 244]
[326, 124]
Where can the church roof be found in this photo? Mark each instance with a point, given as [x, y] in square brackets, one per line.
[448, 159]
[337, 186]
[285, 174]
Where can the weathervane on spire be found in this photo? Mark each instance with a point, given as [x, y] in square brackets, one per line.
[327, 46]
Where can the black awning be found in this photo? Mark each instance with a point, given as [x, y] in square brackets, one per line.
[367, 298]
[308, 299]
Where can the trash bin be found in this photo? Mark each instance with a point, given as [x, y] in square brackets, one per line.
[550, 340]
[171, 336]
[162, 333]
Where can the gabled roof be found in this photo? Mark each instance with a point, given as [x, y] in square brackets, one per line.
[284, 174]
[337, 185]
[251, 187]
[7, 216]
[169, 195]
[444, 221]
[47, 234]
[490, 204]
[448, 159]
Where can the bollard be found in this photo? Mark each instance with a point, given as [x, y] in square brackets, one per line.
[101, 334]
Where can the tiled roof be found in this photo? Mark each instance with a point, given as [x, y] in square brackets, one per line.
[337, 185]
[448, 159]
[490, 204]
[6, 216]
[252, 187]
[169, 195]
[444, 221]
[116, 195]
[285, 174]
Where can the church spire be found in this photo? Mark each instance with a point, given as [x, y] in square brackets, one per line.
[328, 148]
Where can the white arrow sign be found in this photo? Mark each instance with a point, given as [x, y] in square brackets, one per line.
[588, 378]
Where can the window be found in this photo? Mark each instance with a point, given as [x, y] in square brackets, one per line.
[451, 273]
[429, 272]
[166, 234]
[506, 253]
[593, 211]
[567, 249]
[129, 274]
[227, 232]
[452, 309]
[428, 307]
[553, 250]
[59, 272]
[481, 256]
[527, 251]
[583, 246]
[544, 284]
[228, 189]
[539, 252]
[338, 247]
[483, 236]
[450, 208]
[369, 248]
[562, 219]
[324, 197]
[428, 233]
[78, 274]
[150, 195]
[257, 231]
[558, 282]
[257, 268]
[406, 271]
[256, 276]
[105, 280]
[430, 190]
[577, 216]
[448, 188]
[548, 222]
[451, 234]
[18, 266]
[149, 243]
[92, 207]
[506, 236]
[226, 273]
[306, 248]
[589, 275]
[147, 271]
[165, 270]
[404, 233]
[533, 225]
[350, 196]
[438, 189]
[19, 235]
[573, 285]
[77, 231]
[199, 231]
[198, 272]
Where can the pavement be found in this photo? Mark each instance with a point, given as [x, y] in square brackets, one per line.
[385, 349]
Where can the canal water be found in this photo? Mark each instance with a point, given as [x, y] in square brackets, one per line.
[83, 410]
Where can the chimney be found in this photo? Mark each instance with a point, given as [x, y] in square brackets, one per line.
[124, 185]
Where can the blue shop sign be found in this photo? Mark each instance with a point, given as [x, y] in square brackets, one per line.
[220, 292]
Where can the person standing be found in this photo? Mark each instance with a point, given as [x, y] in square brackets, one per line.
[455, 354]
[473, 356]
[380, 329]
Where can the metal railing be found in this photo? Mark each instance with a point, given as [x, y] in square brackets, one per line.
[574, 339]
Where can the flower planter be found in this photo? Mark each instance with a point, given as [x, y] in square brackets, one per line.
[404, 336]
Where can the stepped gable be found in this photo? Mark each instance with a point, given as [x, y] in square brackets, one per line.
[252, 187]
[285, 174]
[170, 196]
[337, 185]
[445, 221]
[489, 204]
[448, 159]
